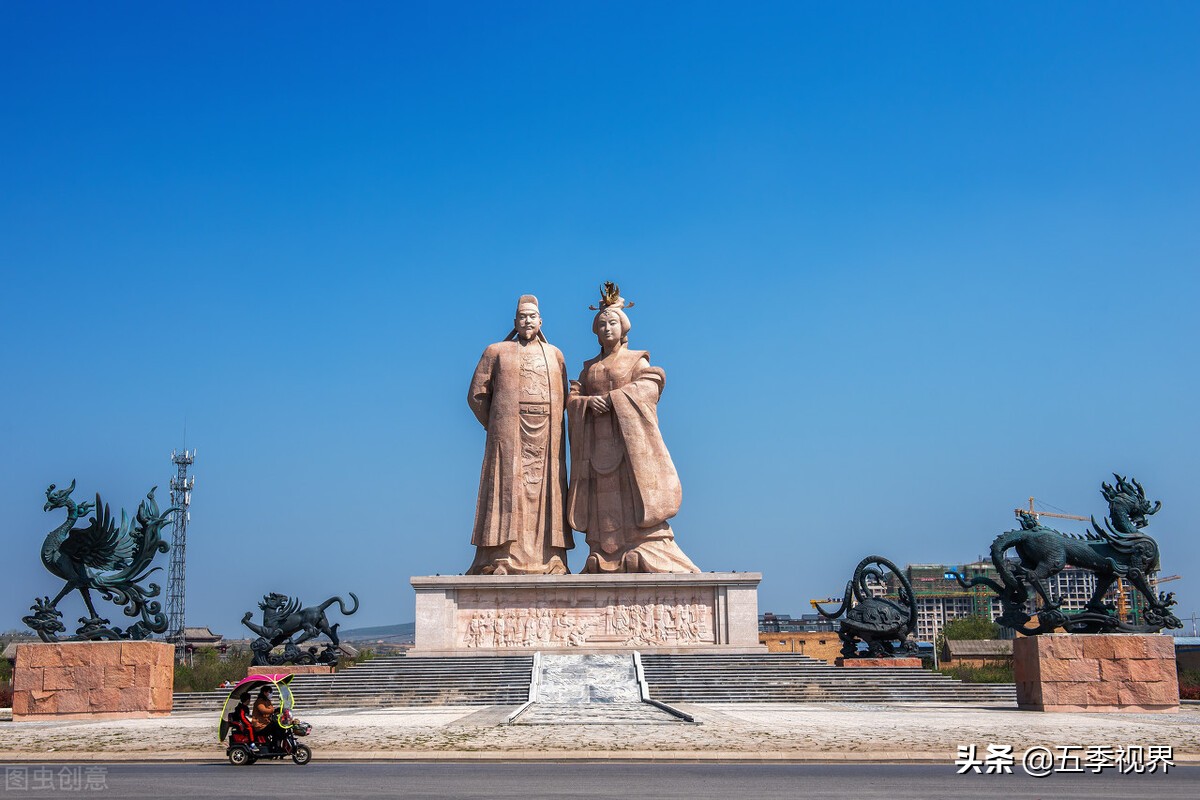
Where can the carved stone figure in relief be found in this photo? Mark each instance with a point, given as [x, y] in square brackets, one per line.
[518, 393]
[624, 486]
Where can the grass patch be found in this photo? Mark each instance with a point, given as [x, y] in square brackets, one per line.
[988, 673]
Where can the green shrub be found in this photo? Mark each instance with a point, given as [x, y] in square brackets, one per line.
[988, 673]
[207, 670]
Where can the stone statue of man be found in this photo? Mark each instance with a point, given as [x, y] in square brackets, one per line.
[518, 393]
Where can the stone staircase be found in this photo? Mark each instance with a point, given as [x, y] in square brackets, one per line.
[594, 689]
[793, 678]
[400, 681]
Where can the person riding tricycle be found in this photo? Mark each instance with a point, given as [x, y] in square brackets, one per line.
[257, 720]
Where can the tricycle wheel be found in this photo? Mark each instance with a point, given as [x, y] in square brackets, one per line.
[302, 754]
[240, 756]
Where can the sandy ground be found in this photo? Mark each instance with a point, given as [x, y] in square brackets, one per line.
[915, 732]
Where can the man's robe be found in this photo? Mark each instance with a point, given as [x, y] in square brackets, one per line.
[495, 398]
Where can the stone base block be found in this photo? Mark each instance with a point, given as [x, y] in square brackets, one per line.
[93, 680]
[1096, 672]
[291, 669]
[653, 613]
[895, 663]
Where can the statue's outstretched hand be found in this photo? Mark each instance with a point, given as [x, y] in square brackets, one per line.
[599, 405]
[248, 616]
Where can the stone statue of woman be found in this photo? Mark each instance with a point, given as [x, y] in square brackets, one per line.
[624, 486]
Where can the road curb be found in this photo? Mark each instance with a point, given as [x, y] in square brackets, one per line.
[528, 756]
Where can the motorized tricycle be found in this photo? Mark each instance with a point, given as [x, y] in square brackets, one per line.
[278, 739]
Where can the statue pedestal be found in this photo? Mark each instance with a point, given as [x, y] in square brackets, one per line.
[895, 663]
[291, 669]
[93, 680]
[653, 613]
[1095, 672]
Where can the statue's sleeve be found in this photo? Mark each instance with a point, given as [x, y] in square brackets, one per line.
[646, 384]
[479, 397]
[656, 483]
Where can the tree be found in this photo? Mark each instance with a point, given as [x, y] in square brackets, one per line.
[973, 627]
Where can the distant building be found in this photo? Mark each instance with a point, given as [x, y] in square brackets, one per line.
[203, 637]
[824, 645]
[786, 623]
[977, 652]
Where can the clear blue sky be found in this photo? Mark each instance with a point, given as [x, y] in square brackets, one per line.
[904, 265]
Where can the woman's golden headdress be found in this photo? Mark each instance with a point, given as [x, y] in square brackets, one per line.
[610, 295]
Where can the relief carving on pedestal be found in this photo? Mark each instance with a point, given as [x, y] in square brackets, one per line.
[662, 618]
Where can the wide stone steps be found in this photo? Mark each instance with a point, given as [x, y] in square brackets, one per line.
[788, 678]
[595, 714]
[400, 681]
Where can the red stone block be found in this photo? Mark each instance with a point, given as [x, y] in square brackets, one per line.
[134, 698]
[1059, 675]
[43, 702]
[1032, 693]
[162, 699]
[26, 678]
[32, 654]
[1129, 646]
[143, 675]
[1118, 670]
[98, 684]
[1070, 670]
[325, 669]
[104, 699]
[58, 678]
[1160, 646]
[118, 676]
[1074, 694]
[1060, 646]
[1148, 694]
[1104, 693]
[1152, 669]
[89, 677]
[73, 702]
[1097, 646]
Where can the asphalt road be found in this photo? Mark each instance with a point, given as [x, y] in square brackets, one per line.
[575, 780]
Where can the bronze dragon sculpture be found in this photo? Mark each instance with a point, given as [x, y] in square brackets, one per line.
[1119, 549]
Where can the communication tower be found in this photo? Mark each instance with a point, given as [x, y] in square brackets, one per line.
[181, 498]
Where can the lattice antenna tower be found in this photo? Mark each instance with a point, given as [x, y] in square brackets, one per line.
[181, 498]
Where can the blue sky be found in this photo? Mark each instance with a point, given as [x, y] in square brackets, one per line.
[904, 267]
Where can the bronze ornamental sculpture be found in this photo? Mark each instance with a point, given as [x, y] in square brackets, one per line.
[283, 618]
[106, 557]
[876, 621]
[1119, 550]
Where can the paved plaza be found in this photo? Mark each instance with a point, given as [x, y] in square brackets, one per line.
[921, 733]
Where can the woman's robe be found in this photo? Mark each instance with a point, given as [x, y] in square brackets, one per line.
[624, 486]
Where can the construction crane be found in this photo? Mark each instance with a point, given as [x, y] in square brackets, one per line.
[1030, 510]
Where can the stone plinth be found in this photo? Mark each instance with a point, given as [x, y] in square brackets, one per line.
[895, 663]
[77, 680]
[653, 613]
[1095, 672]
[291, 669]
